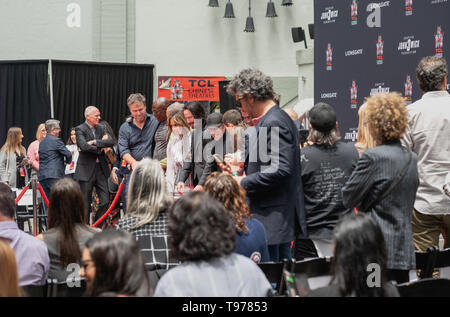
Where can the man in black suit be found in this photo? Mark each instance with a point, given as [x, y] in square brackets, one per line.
[52, 156]
[92, 168]
[272, 163]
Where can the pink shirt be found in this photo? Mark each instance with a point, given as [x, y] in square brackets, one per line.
[33, 154]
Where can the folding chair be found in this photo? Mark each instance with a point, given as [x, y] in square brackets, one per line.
[427, 287]
[274, 274]
[433, 259]
[311, 273]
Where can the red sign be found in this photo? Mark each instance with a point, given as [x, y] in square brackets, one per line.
[189, 88]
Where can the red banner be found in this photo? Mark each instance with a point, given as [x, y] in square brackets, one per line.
[189, 88]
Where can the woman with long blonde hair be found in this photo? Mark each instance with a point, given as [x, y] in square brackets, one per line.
[365, 139]
[9, 277]
[33, 149]
[13, 160]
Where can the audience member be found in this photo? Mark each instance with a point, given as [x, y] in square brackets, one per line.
[33, 150]
[110, 152]
[195, 116]
[326, 166]
[178, 149]
[221, 145]
[174, 108]
[250, 233]
[428, 136]
[385, 181]
[365, 140]
[68, 231]
[13, 160]
[112, 264]
[247, 117]
[159, 109]
[92, 167]
[202, 235]
[137, 134]
[294, 116]
[71, 145]
[272, 164]
[53, 154]
[236, 127]
[31, 253]
[146, 216]
[9, 278]
[359, 249]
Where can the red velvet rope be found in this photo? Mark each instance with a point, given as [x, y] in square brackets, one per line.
[119, 191]
[44, 197]
[24, 190]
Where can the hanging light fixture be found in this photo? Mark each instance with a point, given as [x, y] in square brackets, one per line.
[271, 13]
[249, 25]
[213, 3]
[287, 3]
[229, 13]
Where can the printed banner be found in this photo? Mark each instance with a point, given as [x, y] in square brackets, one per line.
[365, 47]
[189, 88]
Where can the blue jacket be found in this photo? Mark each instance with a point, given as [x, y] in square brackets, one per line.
[52, 152]
[273, 182]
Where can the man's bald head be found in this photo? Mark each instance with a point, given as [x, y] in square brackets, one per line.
[159, 108]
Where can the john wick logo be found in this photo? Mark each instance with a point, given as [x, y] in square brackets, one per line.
[329, 57]
[439, 42]
[330, 15]
[380, 50]
[354, 12]
[409, 45]
[352, 135]
[379, 89]
[408, 89]
[408, 7]
[353, 95]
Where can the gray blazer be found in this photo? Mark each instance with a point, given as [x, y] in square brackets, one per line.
[8, 170]
[373, 174]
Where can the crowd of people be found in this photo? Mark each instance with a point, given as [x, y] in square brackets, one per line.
[206, 197]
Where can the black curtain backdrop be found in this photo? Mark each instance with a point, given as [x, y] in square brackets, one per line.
[24, 101]
[107, 86]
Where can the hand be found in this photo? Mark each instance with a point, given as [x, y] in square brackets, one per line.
[114, 177]
[233, 161]
[180, 187]
[199, 188]
[92, 142]
[239, 178]
[134, 164]
[105, 137]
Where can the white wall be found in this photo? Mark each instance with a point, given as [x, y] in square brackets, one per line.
[186, 37]
[37, 29]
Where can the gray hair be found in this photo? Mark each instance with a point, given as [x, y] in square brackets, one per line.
[89, 110]
[431, 73]
[147, 192]
[251, 82]
[136, 98]
[51, 124]
[327, 138]
[174, 108]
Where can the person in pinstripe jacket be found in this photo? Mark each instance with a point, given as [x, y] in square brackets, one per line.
[374, 173]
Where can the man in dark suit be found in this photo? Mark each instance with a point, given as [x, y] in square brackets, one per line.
[52, 156]
[196, 116]
[92, 167]
[273, 174]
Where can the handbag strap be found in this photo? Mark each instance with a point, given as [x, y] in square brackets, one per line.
[394, 182]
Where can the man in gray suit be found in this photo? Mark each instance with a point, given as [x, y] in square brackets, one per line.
[428, 136]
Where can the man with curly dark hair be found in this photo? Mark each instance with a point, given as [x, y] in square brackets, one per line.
[272, 163]
[385, 180]
[202, 236]
[428, 136]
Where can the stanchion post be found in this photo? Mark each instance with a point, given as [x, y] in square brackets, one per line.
[33, 186]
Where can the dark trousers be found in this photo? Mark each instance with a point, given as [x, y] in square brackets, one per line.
[279, 252]
[400, 276]
[100, 182]
[303, 249]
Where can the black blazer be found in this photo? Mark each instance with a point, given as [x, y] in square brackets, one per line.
[372, 175]
[52, 153]
[275, 193]
[89, 153]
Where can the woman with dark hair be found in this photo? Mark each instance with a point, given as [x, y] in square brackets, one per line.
[202, 236]
[194, 110]
[72, 146]
[13, 159]
[385, 180]
[68, 231]
[251, 238]
[112, 263]
[359, 261]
